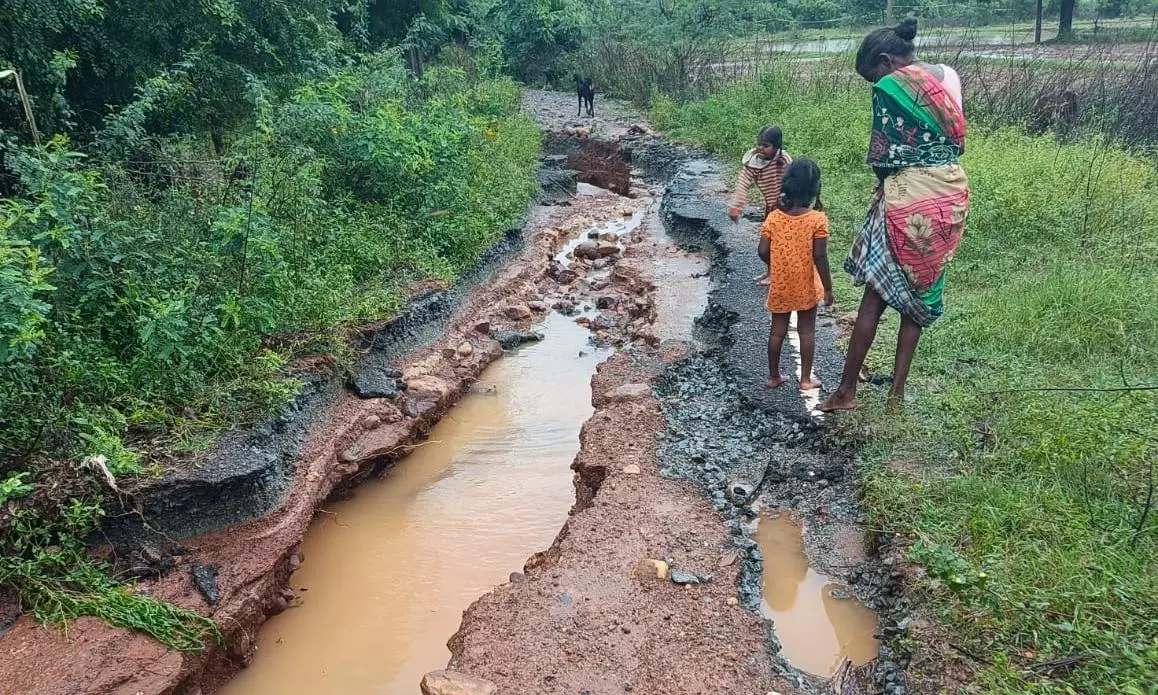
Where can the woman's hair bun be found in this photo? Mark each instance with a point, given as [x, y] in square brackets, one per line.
[907, 28]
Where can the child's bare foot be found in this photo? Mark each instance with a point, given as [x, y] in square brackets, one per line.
[764, 279]
[840, 401]
[810, 385]
[774, 382]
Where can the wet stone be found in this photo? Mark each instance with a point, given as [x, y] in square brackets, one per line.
[375, 383]
[509, 340]
[685, 578]
[205, 579]
[588, 250]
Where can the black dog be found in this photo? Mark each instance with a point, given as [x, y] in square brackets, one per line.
[586, 95]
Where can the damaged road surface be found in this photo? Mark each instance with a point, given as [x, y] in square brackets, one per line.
[565, 466]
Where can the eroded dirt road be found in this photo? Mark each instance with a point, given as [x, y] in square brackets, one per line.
[654, 583]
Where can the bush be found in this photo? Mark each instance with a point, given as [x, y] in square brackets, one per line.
[147, 303]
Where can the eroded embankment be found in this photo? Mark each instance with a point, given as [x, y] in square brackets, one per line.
[239, 575]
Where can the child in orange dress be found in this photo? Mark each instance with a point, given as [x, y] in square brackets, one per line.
[795, 246]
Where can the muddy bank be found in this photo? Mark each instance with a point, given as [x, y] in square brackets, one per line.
[590, 615]
[250, 471]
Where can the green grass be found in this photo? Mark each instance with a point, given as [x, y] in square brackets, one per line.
[1023, 507]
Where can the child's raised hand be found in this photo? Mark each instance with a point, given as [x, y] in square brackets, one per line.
[734, 213]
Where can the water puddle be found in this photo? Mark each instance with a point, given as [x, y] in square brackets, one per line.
[818, 622]
[684, 282]
[610, 230]
[388, 574]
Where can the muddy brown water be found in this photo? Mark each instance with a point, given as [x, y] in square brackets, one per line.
[388, 573]
[818, 622]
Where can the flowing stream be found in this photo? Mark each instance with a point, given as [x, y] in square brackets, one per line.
[388, 573]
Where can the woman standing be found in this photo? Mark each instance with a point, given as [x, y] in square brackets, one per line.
[919, 208]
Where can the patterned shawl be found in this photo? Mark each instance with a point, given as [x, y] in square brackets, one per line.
[915, 121]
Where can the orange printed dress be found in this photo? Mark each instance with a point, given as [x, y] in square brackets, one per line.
[795, 284]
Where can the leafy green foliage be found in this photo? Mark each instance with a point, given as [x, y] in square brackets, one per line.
[1026, 508]
[149, 301]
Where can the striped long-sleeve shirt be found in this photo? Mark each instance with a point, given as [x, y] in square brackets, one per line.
[766, 175]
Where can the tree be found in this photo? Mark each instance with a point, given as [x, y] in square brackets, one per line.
[1066, 21]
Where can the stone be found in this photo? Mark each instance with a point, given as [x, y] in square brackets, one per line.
[606, 248]
[686, 578]
[371, 422]
[588, 250]
[539, 307]
[483, 327]
[465, 350]
[205, 579]
[509, 340]
[517, 578]
[733, 601]
[603, 322]
[631, 469]
[651, 568]
[607, 301]
[374, 383]
[556, 186]
[608, 236]
[628, 392]
[418, 409]
[729, 558]
[447, 682]
[518, 312]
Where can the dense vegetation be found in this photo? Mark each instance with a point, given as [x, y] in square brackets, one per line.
[268, 176]
[1028, 509]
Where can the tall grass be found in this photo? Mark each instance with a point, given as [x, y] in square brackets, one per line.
[1024, 508]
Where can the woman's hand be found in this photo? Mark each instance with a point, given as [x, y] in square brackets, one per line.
[734, 213]
[829, 299]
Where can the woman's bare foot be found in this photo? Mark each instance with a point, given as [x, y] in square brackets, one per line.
[811, 385]
[774, 382]
[840, 401]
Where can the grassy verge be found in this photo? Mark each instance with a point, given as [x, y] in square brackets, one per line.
[1026, 509]
[154, 291]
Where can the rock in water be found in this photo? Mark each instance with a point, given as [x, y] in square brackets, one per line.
[606, 248]
[509, 340]
[588, 250]
[205, 578]
[455, 683]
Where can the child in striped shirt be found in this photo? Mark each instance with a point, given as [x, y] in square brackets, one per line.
[762, 166]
